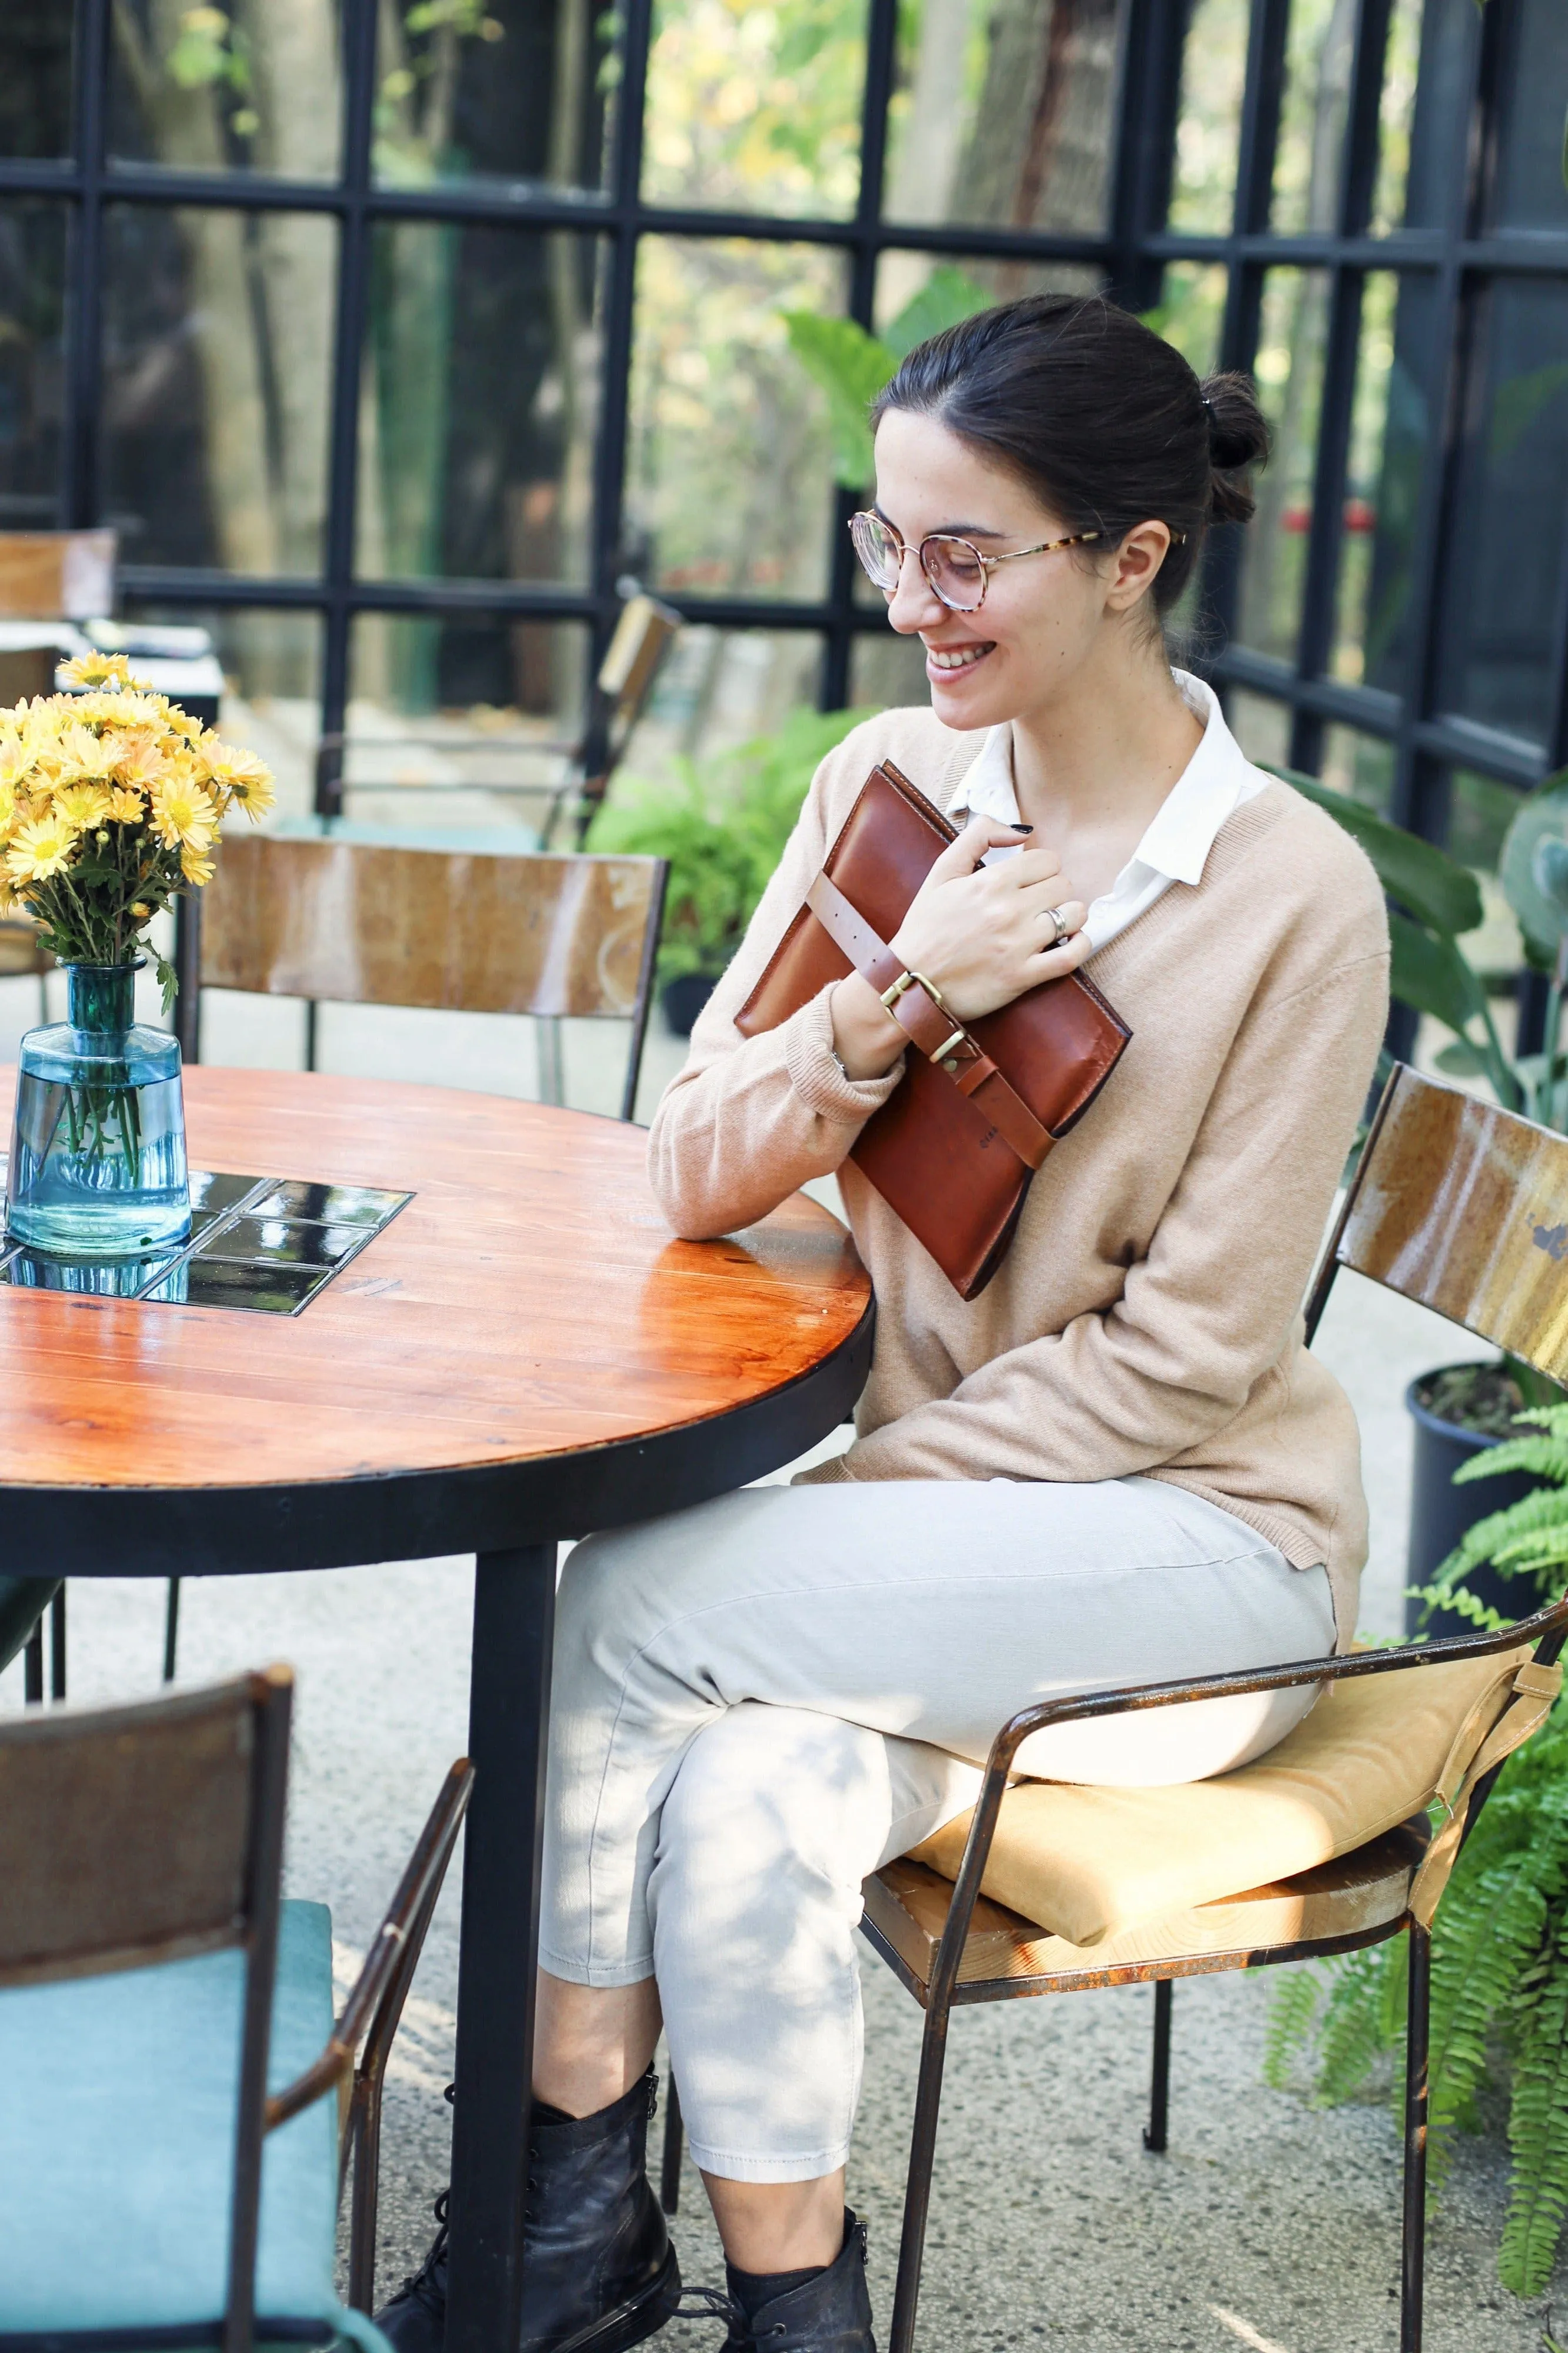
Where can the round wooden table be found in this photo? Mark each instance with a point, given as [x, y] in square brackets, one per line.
[523, 1353]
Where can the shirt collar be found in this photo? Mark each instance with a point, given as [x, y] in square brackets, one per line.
[1181, 831]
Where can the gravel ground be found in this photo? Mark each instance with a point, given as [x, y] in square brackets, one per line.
[1266, 2224]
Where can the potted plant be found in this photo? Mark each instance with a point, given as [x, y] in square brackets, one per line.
[111, 802]
[1499, 1942]
[1461, 1412]
[723, 824]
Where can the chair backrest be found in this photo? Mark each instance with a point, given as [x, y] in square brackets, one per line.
[1463, 1209]
[138, 1834]
[145, 1834]
[626, 678]
[472, 931]
[53, 576]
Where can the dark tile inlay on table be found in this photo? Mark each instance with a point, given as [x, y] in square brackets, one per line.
[257, 1243]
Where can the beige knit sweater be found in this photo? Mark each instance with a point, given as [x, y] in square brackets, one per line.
[1147, 1317]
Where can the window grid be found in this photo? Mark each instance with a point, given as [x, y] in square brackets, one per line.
[1462, 256]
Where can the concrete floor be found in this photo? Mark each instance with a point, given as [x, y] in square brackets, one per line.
[1265, 2225]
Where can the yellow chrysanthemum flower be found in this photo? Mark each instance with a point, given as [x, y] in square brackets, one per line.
[84, 806]
[136, 759]
[126, 806]
[39, 848]
[78, 753]
[17, 762]
[240, 777]
[196, 868]
[100, 669]
[183, 815]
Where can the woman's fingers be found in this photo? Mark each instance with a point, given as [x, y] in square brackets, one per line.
[962, 855]
[1051, 964]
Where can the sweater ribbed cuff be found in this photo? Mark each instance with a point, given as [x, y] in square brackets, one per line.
[830, 1474]
[819, 1078]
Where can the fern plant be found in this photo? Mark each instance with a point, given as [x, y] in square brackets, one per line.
[1499, 1942]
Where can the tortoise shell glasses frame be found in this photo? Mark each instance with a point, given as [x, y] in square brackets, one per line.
[956, 572]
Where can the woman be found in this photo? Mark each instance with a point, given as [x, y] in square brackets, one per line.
[1119, 1464]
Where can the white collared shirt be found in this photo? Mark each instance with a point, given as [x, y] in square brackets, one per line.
[1216, 781]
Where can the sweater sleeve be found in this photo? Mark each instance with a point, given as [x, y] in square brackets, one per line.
[1208, 1314]
[749, 1120]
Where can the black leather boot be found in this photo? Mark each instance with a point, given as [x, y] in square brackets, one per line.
[599, 2273]
[831, 2313]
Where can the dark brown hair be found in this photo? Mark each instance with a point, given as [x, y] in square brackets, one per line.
[1101, 418]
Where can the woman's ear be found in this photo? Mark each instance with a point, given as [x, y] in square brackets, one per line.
[1137, 561]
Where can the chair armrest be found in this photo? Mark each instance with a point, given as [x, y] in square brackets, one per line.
[1547, 1629]
[374, 2005]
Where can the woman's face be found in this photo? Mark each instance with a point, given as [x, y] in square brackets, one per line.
[1042, 617]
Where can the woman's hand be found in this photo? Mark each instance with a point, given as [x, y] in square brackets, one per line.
[984, 933]
[981, 933]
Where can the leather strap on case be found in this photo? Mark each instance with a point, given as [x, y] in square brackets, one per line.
[920, 1014]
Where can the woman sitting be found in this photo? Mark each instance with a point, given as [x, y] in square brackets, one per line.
[1118, 1464]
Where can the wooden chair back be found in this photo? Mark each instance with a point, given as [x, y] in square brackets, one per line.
[1463, 1208]
[143, 1834]
[471, 932]
[140, 1835]
[57, 576]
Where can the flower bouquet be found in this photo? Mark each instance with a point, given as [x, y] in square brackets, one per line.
[111, 806]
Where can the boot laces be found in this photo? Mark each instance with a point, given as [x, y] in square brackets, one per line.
[421, 2285]
[713, 2304]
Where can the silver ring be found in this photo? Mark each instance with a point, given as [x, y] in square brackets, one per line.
[1063, 926]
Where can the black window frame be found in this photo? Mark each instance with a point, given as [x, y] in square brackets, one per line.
[1463, 257]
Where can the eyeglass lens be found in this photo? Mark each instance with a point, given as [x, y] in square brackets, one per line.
[952, 566]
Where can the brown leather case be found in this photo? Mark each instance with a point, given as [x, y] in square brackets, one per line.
[930, 1152]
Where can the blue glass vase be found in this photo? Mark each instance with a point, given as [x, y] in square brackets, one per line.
[97, 1147]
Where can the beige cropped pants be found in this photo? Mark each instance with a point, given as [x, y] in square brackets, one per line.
[759, 1700]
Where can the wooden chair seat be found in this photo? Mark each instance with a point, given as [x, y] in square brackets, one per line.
[1355, 1895]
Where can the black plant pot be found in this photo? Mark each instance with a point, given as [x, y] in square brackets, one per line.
[1441, 1512]
[684, 999]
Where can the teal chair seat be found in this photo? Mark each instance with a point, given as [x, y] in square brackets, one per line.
[118, 2112]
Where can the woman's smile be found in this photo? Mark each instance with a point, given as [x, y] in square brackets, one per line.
[947, 661]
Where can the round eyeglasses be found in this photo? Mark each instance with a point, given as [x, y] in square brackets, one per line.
[954, 569]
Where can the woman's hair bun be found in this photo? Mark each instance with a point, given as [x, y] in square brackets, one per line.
[1239, 438]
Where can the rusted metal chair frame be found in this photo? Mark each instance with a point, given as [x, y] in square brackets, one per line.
[369, 2019]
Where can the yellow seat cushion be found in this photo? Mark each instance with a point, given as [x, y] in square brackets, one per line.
[1090, 1864]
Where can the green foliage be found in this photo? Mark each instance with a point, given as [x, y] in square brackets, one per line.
[1499, 1942]
[852, 366]
[723, 824]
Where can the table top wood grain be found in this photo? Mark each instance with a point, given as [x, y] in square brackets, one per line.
[530, 1306]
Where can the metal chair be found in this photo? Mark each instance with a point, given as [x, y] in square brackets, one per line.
[1456, 1205]
[460, 931]
[150, 2188]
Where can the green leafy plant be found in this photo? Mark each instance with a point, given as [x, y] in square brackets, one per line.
[1499, 1942]
[722, 823]
[851, 365]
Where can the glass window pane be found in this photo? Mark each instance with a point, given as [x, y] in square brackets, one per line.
[1260, 725]
[255, 87]
[271, 684]
[1004, 115]
[1430, 173]
[972, 279]
[1289, 371]
[480, 394]
[1192, 311]
[216, 363]
[510, 90]
[1319, 46]
[461, 719]
[1374, 389]
[755, 110]
[1480, 811]
[36, 77]
[887, 672]
[1391, 442]
[32, 338]
[730, 470]
[720, 687]
[1208, 128]
[1395, 107]
[1531, 193]
[1504, 579]
[1360, 767]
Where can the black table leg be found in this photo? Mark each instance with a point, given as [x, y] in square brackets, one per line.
[509, 1712]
